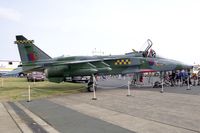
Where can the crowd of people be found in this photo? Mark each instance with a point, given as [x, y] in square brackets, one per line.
[180, 78]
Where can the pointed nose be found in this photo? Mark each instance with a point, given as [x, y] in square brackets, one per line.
[183, 66]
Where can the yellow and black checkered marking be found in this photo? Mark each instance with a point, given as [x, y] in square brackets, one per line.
[123, 62]
[24, 42]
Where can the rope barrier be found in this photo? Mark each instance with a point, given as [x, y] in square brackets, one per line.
[43, 90]
[105, 87]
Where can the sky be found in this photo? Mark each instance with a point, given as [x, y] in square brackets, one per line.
[80, 27]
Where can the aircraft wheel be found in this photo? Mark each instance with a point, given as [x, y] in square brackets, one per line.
[90, 88]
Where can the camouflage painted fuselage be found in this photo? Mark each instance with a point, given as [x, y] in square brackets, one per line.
[120, 64]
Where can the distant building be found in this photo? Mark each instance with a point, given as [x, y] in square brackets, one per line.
[8, 65]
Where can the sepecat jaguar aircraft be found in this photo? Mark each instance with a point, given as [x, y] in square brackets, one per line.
[57, 69]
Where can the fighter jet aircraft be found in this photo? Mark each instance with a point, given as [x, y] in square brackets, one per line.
[57, 69]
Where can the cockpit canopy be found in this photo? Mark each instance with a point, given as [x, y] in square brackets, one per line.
[151, 53]
[147, 52]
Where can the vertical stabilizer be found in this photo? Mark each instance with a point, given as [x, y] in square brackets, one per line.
[29, 53]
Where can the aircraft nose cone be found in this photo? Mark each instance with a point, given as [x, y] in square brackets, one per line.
[189, 66]
[184, 66]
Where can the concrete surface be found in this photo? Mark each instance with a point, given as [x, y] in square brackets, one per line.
[7, 124]
[67, 120]
[145, 111]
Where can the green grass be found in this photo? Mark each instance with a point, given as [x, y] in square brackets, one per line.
[15, 89]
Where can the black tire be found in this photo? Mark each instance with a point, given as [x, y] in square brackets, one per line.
[21, 75]
[90, 88]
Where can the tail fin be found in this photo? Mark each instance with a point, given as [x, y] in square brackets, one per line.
[29, 53]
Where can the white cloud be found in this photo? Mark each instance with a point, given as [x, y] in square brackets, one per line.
[10, 14]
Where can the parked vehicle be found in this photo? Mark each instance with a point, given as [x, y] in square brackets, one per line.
[35, 76]
[77, 79]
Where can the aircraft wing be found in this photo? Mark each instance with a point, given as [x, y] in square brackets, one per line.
[75, 62]
[97, 65]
